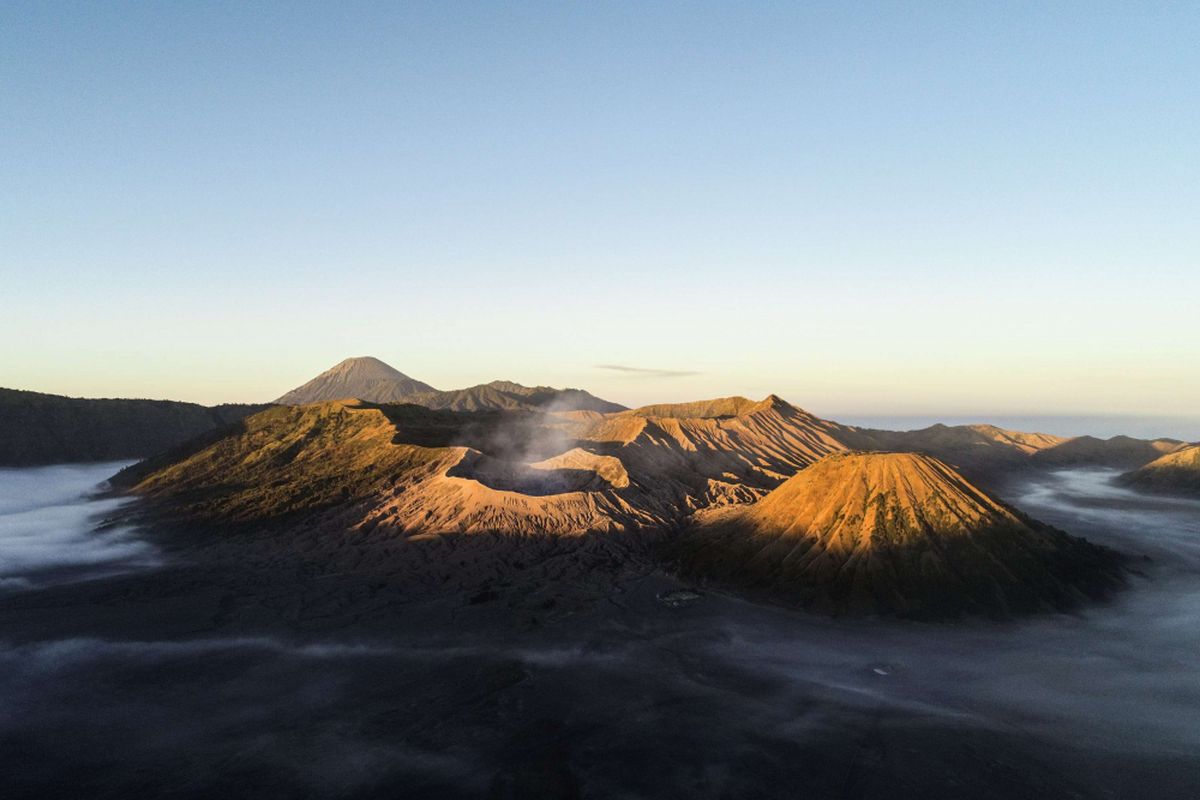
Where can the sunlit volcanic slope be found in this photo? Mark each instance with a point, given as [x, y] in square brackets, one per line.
[405, 468]
[730, 448]
[1174, 473]
[417, 470]
[581, 471]
[285, 461]
[894, 533]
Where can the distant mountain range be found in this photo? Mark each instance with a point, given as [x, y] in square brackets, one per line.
[367, 378]
[40, 428]
[988, 453]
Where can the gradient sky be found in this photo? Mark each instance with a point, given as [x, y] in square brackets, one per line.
[958, 208]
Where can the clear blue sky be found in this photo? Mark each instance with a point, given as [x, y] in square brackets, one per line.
[959, 208]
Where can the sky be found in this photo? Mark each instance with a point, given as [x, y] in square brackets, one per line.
[964, 209]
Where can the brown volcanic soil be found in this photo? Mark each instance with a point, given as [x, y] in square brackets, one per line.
[895, 532]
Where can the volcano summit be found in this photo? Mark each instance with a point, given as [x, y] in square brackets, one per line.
[895, 532]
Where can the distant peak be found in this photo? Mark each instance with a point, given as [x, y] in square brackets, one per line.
[772, 401]
[362, 377]
[869, 532]
[364, 362]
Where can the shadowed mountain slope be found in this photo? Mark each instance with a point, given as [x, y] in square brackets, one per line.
[1120, 452]
[983, 452]
[988, 454]
[509, 396]
[1177, 472]
[40, 428]
[894, 533]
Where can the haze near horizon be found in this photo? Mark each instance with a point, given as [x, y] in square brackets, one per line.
[931, 211]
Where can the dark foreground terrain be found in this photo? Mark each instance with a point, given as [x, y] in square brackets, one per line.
[198, 664]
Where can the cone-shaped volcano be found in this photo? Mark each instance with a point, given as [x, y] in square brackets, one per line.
[364, 378]
[895, 533]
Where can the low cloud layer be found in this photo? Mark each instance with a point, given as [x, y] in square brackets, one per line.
[765, 700]
[48, 527]
[643, 372]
